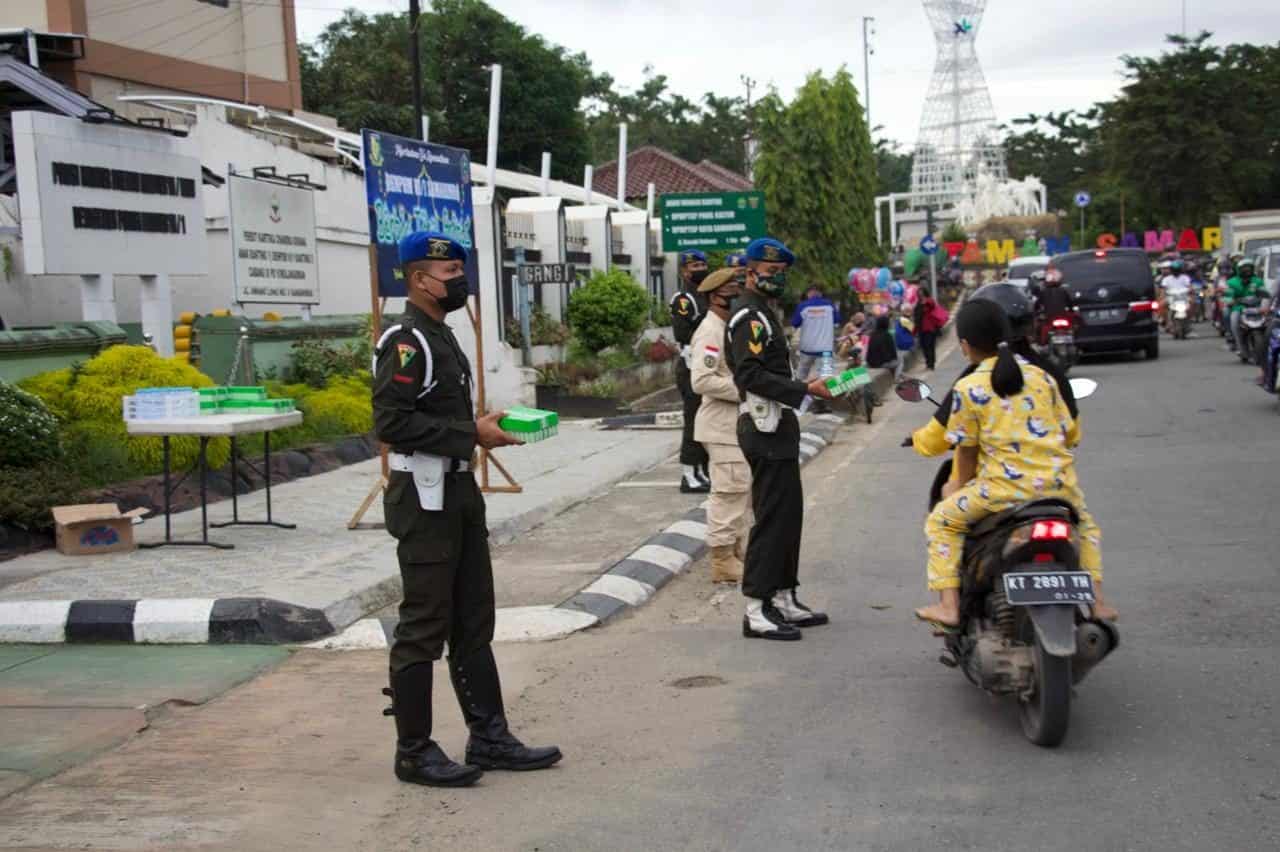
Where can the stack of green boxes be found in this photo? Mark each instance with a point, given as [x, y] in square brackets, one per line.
[241, 400]
[848, 380]
[530, 425]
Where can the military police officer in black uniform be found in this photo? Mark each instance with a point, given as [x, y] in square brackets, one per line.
[688, 307]
[769, 434]
[422, 409]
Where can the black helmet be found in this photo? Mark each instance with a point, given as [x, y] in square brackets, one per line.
[1017, 307]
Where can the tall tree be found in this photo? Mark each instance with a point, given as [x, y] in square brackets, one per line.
[358, 67]
[893, 167]
[818, 170]
[1193, 131]
[716, 130]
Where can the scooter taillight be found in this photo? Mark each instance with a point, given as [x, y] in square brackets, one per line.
[1051, 531]
[1062, 322]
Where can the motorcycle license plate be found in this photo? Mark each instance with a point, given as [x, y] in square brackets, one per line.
[1041, 588]
[1104, 315]
[1062, 338]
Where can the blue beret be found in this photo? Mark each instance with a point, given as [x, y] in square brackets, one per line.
[769, 250]
[736, 259]
[430, 245]
[692, 256]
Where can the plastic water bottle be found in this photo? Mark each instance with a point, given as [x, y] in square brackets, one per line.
[828, 368]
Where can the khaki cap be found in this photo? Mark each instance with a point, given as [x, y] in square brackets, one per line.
[718, 279]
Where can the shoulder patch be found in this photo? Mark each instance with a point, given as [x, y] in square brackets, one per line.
[407, 353]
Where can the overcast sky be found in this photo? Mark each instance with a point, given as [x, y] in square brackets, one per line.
[1041, 56]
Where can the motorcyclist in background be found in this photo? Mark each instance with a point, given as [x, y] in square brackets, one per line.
[1244, 285]
[1176, 281]
[1053, 301]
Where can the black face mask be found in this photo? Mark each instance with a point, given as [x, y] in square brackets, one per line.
[723, 299]
[457, 289]
[697, 276]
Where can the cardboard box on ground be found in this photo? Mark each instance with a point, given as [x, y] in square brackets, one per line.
[94, 528]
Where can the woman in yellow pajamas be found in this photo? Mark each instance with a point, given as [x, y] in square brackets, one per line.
[1014, 438]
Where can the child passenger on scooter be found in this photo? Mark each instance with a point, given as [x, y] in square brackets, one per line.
[1010, 425]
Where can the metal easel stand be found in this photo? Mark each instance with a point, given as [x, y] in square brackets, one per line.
[357, 521]
[486, 456]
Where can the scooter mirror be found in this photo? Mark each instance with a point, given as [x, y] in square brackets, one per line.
[1083, 388]
[913, 390]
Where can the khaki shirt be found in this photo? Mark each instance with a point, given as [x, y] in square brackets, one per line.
[717, 420]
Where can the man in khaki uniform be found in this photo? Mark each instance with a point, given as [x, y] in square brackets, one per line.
[716, 428]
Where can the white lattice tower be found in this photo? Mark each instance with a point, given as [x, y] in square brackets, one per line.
[958, 138]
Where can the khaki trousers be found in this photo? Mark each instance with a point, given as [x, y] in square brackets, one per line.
[729, 507]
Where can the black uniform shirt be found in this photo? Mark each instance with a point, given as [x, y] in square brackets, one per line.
[757, 353]
[687, 311]
[441, 421]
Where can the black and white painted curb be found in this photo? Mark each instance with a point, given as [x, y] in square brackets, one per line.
[167, 621]
[628, 584]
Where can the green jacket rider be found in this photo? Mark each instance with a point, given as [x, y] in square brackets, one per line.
[1243, 285]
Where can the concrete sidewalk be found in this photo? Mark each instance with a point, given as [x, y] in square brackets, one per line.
[320, 566]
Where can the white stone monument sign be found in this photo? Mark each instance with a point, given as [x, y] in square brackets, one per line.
[106, 199]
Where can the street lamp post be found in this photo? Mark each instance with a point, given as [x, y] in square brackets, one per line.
[867, 31]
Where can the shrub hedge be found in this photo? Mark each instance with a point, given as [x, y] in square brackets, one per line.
[28, 431]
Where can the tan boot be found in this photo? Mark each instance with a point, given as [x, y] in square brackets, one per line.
[724, 567]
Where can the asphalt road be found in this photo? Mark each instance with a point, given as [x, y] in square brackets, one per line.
[680, 734]
[856, 738]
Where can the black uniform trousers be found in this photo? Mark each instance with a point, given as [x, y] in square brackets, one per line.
[777, 499]
[691, 452]
[445, 566]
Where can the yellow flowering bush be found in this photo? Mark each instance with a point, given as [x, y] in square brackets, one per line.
[87, 400]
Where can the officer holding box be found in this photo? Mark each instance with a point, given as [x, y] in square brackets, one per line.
[422, 409]
[769, 434]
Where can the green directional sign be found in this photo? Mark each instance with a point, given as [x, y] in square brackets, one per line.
[711, 220]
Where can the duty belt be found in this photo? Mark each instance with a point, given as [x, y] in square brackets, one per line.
[745, 407]
[404, 463]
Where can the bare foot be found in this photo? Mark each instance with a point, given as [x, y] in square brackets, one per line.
[940, 613]
[1103, 611]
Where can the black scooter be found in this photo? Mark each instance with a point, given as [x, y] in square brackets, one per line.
[1026, 623]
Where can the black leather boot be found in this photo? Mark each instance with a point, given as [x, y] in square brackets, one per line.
[492, 745]
[418, 759]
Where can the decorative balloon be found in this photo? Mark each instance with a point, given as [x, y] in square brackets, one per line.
[883, 277]
[853, 277]
[911, 296]
[897, 290]
[912, 262]
[866, 281]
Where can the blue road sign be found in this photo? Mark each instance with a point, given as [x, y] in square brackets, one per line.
[929, 245]
[1083, 199]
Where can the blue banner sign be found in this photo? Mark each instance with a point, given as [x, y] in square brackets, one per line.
[412, 186]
